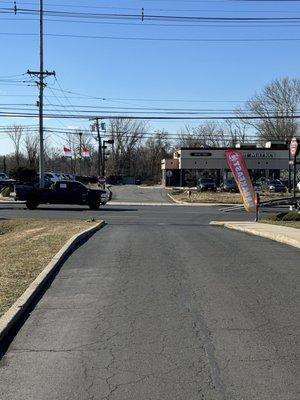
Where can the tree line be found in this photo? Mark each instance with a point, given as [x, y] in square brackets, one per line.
[137, 154]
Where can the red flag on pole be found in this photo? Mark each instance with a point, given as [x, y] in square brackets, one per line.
[67, 152]
[85, 152]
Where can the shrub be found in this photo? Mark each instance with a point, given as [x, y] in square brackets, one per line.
[24, 174]
[277, 217]
[292, 216]
[285, 216]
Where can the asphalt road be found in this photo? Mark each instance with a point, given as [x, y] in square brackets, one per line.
[160, 305]
[143, 194]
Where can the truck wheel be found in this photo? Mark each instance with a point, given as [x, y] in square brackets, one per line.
[94, 205]
[31, 204]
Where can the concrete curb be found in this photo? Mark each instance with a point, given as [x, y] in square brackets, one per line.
[177, 201]
[5, 202]
[281, 238]
[19, 308]
[185, 203]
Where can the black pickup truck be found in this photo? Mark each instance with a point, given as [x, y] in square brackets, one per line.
[61, 192]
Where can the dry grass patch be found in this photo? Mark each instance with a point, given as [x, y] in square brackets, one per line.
[290, 224]
[219, 197]
[208, 197]
[26, 247]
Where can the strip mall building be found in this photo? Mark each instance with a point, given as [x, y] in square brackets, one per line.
[190, 164]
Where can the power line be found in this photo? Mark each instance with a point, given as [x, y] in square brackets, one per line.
[22, 106]
[153, 9]
[168, 25]
[143, 16]
[237, 40]
[145, 117]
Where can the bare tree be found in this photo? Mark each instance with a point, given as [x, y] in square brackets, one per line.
[188, 138]
[150, 154]
[15, 133]
[276, 107]
[31, 147]
[208, 134]
[236, 131]
[127, 134]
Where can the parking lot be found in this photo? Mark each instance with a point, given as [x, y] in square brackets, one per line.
[156, 297]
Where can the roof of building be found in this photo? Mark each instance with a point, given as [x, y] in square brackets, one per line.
[283, 147]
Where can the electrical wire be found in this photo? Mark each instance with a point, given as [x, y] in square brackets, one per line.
[145, 117]
[153, 9]
[168, 25]
[143, 16]
[151, 39]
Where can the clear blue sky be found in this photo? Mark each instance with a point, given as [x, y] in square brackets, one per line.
[217, 74]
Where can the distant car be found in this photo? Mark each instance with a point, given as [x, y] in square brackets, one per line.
[47, 182]
[138, 181]
[274, 185]
[206, 184]
[52, 176]
[261, 180]
[229, 185]
[60, 176]
[257, 186]
[70, 176]
[5, 180]
[3, 177]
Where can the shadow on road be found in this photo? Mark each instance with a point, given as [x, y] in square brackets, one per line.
[82, 209]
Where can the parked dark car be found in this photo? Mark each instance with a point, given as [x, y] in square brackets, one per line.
[274, 185]
[229, 185]
[62, 192]
[5, 180]
[257, 186]
[205, 184]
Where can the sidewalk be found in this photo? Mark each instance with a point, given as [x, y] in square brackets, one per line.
[282, 234]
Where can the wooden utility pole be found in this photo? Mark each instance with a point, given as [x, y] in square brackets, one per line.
[41, 74]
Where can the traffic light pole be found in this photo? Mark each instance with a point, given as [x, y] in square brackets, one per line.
[100, 160]
[290, 175]
[100, 157]
[294, 176]
[80, 152]
[109, 141]
[103, 159]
